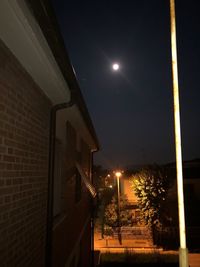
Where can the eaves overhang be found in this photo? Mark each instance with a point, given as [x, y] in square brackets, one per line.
[23, 36]
[45, 16]
[29, 29]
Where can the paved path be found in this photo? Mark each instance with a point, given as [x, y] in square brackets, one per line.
[194, 259]
[126, 243]
[136, 245]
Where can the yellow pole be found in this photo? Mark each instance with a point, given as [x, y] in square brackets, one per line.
[118, 214]
[183, 253]
[118, 174]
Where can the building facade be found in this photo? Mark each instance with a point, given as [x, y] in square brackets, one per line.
[46, 144]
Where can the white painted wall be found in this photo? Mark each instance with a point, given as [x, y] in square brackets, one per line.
[22, 35]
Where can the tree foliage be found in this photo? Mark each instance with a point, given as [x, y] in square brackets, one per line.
[111, 213]
[150, 186]
[106, 198]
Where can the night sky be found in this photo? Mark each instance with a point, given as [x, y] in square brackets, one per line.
[132, 110]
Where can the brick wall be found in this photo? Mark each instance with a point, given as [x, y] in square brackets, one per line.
[24, 132]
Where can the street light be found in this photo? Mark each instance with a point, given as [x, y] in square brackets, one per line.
[183, 252]
[118, 174]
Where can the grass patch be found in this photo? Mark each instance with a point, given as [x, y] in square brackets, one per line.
[139, 258]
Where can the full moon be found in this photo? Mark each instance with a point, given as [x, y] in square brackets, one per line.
[115, 66]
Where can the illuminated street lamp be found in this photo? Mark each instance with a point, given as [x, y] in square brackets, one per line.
[118, 174]
[183, 252]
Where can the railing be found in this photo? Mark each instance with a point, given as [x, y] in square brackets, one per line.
[135, 232]
[86, 180]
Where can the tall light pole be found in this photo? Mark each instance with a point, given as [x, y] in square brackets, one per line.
[118, 175]
[183, 252]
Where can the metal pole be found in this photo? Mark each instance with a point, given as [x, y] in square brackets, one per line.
[118, 206]
[50, 192]
[183, 253]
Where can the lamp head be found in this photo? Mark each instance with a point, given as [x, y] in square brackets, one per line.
[118, 174]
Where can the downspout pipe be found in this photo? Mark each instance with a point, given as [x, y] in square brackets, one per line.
[50, 193]
[93, 206]
[92, 213]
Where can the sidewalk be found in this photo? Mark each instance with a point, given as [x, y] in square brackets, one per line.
[126, 243]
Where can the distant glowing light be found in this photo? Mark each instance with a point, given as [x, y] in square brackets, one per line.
[118, 174]
[115, 66]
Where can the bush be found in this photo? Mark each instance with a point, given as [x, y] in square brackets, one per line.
[150, 186]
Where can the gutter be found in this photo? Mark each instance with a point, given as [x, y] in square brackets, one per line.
[92, 213]
[45, 16]
[48, 248]
[93, 207]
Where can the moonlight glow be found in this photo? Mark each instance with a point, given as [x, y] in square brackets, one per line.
[115, 66]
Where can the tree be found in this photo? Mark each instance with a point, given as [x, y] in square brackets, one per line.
[107, 195]
[99, 174]
[111, 217]
[150, 186]
[104, 195]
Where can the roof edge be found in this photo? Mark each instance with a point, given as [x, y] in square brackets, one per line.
[46, 18]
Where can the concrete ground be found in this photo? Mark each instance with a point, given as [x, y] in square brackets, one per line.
[100, 242]
[135, 245]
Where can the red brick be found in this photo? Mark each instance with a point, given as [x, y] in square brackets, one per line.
[2, 107]
[8, 158]
[24, 133]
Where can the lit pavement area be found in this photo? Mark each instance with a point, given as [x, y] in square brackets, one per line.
[134, 245]
[106, 243]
